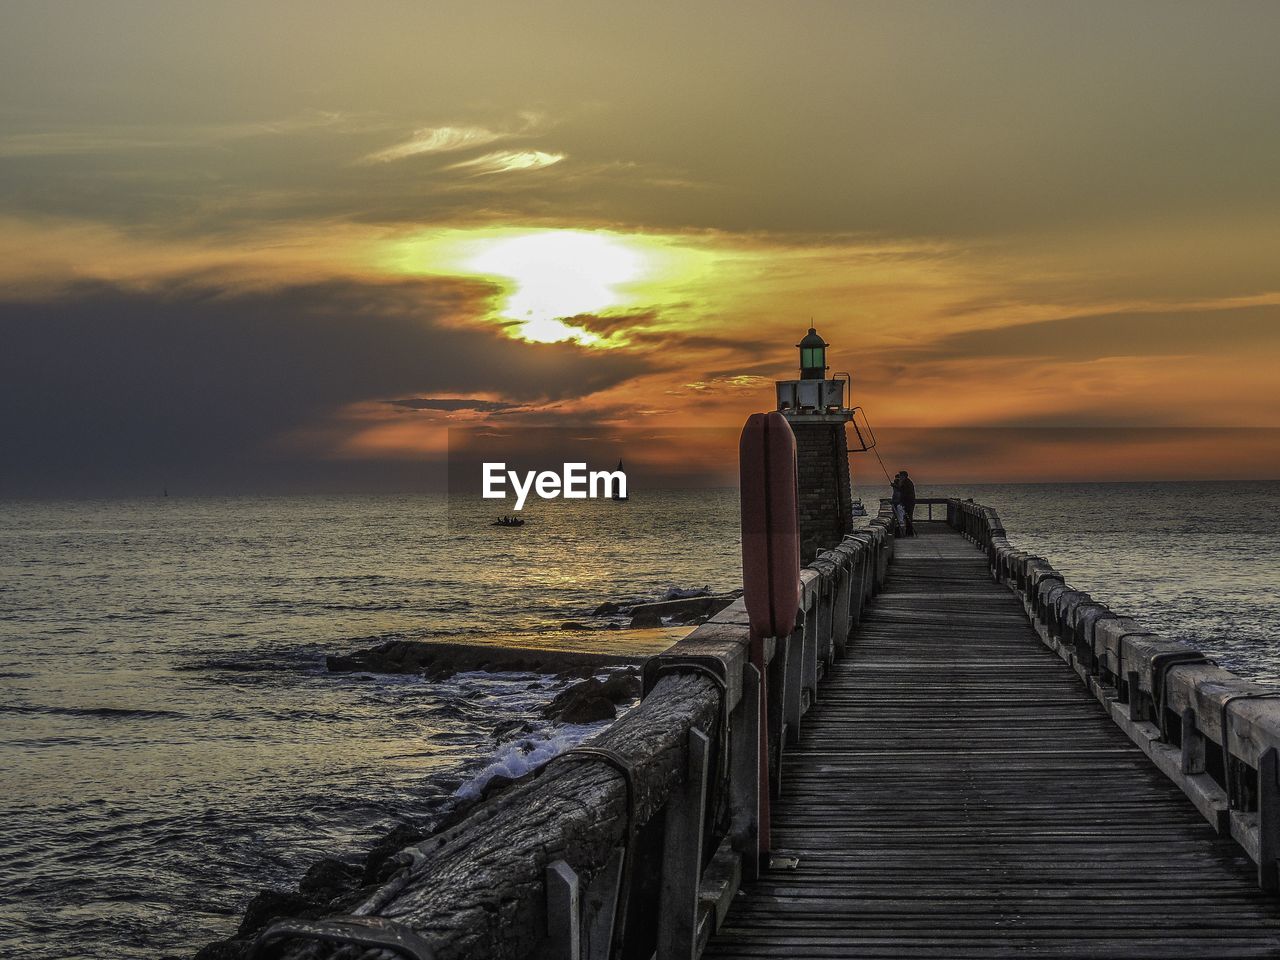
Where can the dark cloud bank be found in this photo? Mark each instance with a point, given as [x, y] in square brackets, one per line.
[107, 390]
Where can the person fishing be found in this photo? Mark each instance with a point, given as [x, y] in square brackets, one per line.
[899, 518]
[907, 496]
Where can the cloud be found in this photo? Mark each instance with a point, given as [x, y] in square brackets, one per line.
[450, 404]
[509, 161]
[1025, 125]
[111, 389]
[1146, 333]
[665, 331]
[739, 383]
[435, 140]
[128, 138]
[952, 455]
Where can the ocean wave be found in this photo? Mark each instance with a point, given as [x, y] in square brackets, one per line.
[306, 659]
[367, 606]
[515, 759]
[113, 713]
[454, 708]
[437, 606]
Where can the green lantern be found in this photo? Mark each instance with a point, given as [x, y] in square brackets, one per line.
[813, 356]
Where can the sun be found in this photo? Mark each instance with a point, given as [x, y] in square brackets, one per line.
[548, 276]
[556, 274]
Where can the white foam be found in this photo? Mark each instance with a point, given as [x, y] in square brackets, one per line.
[525, 754]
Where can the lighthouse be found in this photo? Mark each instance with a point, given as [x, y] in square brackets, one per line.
[818, 406]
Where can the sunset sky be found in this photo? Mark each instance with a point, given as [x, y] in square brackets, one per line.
[271, 247]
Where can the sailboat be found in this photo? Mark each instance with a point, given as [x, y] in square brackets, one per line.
[617, 495]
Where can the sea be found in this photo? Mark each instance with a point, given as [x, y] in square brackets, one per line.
[171, 743]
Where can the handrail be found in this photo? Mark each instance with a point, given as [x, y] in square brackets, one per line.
[1216, 735]
[928, 502]
[659, 818]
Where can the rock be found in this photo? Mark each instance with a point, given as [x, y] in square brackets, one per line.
[621, 686]
[684, 610]
[589, 687]
[402, 836]
[439, 661]
[584, 702]
[460, 810]
[224, 950]
[573, 625]
[271, 905]
[589, 710]
[642, 619]
[593, 699]
[576, 673]
[391, 657]
[606, 609]
[682, 593]
[438, 672]
[508, 729]
[329, 879]
[352, 899]
[496, 783]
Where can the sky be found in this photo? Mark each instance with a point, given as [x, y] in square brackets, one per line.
[289, 247]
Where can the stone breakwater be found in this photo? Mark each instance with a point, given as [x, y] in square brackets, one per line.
[597, 686]
[439, 661]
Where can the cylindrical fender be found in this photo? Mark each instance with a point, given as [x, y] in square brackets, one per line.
[770, 524]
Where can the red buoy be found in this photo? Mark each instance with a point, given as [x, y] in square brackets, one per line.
[770, 524]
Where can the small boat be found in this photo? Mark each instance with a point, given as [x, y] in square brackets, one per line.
[616, 494]
[508, 522]
[858, 510]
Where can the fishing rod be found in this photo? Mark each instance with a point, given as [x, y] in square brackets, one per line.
[863, 440]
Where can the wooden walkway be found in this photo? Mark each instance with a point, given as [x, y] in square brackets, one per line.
[956, 793]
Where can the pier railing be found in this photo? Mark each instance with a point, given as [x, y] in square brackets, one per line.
[1214, 734]
[658, 818]
[927, 506]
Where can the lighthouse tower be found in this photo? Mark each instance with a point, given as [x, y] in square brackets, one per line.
[817, 407]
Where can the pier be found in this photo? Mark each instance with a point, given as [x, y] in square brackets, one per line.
[958, 793]
[965, 758]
